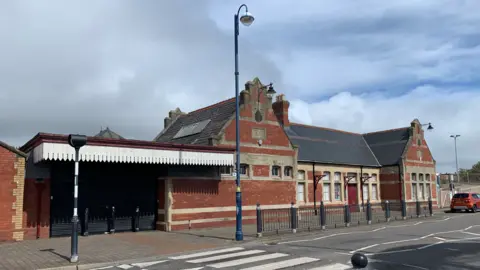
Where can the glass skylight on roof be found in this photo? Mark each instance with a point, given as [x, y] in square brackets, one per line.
[192, 129]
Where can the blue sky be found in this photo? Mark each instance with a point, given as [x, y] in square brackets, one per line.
[355, 65]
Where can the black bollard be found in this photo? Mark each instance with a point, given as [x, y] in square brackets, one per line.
[85, 223]
[259, 221]
[323, 219]
[137, 219]
[430, 206]
[293, 215]
[418, 208]
[359, 260]
[404, 209]
[387, 211]
[112, 220]
[369, 212]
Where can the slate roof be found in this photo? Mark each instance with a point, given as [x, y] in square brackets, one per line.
[316, 144]
[108, 134]
[322, 145]
[218, 114]
[389, 145]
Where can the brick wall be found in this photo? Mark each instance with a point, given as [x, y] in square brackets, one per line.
[36, 205]
[199, 203]
[419, 166]
[12, 177]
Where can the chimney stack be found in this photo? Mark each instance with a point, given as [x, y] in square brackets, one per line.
[280, 108]
[172, 116]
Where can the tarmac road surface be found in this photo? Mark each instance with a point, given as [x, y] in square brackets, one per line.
[451, 241]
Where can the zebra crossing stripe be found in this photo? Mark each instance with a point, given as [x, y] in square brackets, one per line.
[146, 264]
[283, 264]
[336, 266]
[206, 253]
[248, 260]
[226, 256]
[124, 266]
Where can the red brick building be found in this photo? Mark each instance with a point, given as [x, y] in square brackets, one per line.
[183, 179]
[408, 168]
[12, 176]
[279, 160]
[268, 161]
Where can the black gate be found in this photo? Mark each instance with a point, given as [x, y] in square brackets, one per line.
[112, 198]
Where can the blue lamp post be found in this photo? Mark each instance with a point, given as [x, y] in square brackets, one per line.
[246, 19]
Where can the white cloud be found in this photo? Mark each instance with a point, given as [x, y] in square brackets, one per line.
[452, 111]
[78, 66]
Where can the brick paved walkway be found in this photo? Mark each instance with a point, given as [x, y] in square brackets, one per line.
[55, 252]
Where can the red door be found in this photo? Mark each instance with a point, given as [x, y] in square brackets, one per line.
[352, 194]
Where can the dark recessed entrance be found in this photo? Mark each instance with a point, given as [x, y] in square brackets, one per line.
[112, 197]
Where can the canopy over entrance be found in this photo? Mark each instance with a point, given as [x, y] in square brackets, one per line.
[54, 147]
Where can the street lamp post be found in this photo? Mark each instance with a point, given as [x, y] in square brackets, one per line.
[456, 158]
[75, 141]
[246, 19]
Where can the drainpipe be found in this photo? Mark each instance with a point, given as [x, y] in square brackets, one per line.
[314, 189]
[403, 194]
[361, 186]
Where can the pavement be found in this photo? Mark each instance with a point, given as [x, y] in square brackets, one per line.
[103, 249]
[446, 241]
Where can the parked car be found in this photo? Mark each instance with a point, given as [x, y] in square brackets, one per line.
[465, 201]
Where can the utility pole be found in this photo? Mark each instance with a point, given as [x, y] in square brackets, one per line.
[456, 157]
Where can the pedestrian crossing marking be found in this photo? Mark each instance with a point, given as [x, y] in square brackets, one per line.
[248, 260]
[146, 264]
[206, 253]
[125, 266]
[283, 264]
[226, 256]
[336, 266]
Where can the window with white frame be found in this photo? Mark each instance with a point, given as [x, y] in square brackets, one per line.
[276, 171]
[326, 176]
[301, 192]
[374, 192]
[288, 171]
[414, 177]
[429, 191]
[337, 177]
[226, 170]
[365, 192]
[414, 191]
[326, 192]
[243, 169]
[427, 177]
[420, 176]
[374, 177]
[338, 191]
[421, 191]
[301, 175]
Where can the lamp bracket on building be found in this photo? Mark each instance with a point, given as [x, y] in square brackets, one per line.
[348, 178]
[365, 179]
[318, 178]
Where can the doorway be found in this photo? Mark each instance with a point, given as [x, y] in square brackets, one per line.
[352, 197]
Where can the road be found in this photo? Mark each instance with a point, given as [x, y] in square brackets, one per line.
[450, 241]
